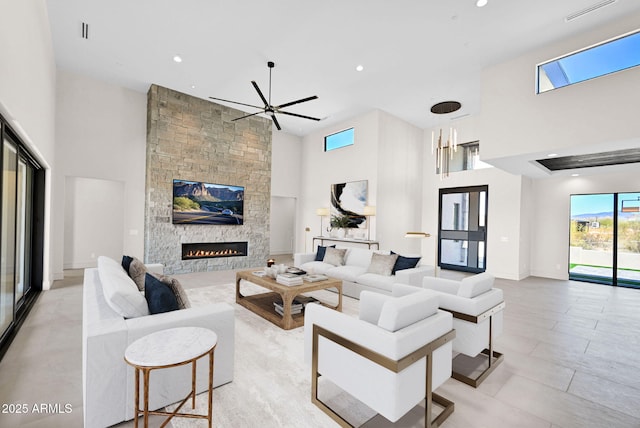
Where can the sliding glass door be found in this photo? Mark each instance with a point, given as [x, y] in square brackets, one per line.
[628, 240]
[21, 233]
[8, 234]
[605, 239]
[463, 229]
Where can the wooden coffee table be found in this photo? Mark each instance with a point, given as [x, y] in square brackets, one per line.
[262, 304]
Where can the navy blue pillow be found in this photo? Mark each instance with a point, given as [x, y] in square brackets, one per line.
[159, 296]
[404, 263]
[321, 251]
[126, 262]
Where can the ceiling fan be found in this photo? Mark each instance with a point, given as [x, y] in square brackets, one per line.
[269, 108]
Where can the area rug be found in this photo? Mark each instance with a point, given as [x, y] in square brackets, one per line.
[272, 383]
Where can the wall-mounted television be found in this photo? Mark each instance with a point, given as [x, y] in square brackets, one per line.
[196, 202]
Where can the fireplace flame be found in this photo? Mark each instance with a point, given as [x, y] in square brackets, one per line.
[212, 250]
[211, 253]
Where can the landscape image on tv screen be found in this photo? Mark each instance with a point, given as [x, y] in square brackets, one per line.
[195, 202]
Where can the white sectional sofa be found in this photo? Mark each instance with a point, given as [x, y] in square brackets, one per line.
[354, 272]
[108, 382]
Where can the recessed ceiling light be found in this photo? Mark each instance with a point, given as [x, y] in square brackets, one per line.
[177, 58]
[193, 86]
[552, 155]
[359, 67]
[481, 3]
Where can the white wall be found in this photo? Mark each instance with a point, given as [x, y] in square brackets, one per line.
[507, 252]
[550, 246]
[101, 134]
[93, 221]
[27, 89]
[399, 185]
[285, 227]
[578, 118]
[321, 169]
[387, 152]
[282, 227]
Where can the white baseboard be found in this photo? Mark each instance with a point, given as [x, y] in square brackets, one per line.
[80, 265]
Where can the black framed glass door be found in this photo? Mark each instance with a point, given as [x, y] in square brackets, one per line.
[604, 242]
[462, 228]
[21, 232]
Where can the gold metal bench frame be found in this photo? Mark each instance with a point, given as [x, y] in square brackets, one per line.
[390, 364]
[494, 358]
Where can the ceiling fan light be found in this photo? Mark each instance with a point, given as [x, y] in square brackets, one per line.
[177, 58]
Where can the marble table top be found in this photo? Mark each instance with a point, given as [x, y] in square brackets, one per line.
[171, 346]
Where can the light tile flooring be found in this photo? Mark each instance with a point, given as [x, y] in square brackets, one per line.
[572, 359]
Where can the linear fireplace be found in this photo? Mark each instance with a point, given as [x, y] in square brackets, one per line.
[208, 250]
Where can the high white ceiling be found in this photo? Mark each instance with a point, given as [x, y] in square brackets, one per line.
[414, 52]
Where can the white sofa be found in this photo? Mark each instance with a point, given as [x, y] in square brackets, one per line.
[354, 275]
[108, 382]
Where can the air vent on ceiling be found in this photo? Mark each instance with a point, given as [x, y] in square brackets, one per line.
[85, 31]
[589, 9]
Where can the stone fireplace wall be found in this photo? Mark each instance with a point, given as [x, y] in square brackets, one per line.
[193, 139]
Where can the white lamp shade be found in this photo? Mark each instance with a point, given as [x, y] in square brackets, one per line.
[322, 211]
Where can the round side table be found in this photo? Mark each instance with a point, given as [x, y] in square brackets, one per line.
[171, 348]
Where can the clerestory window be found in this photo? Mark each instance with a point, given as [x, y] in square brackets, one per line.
[339, 139]
[604, 58]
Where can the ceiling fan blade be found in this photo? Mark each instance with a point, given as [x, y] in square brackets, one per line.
[264, 100]
[248, 115]
[297, 101]
[235, 102]
[298, 115]
[275, 121]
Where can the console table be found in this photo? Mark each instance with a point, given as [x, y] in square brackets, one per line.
[349, 240]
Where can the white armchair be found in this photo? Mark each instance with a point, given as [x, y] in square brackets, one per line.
[477, 310]
[390, 359]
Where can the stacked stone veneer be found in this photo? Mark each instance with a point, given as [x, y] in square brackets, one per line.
[190, 138]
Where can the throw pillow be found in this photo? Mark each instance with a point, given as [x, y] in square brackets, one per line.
[159, 296]
[475, 285]
[404, 263]
[137, 270]
[321, 252]
[334, 256]
[178, 291]
[401, 312]
[382, 264]
[126, 262]
[120, 292]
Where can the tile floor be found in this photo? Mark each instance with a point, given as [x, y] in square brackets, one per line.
[572, 359]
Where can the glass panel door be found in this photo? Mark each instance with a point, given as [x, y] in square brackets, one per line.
[591, 240]
[462, 229]
[628, 234]
[605, 239]
[8, 234]
[23, 229]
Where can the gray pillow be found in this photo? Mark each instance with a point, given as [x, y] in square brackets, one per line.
[382, 264]
[178, 291]
[334, 256]
[137, 270]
